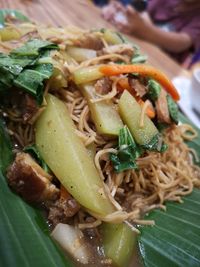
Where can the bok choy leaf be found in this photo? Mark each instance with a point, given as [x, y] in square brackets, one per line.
[154, 90]
[33, 48]
[173, 109]
[127, 152]
[31, 80]
[23, 68]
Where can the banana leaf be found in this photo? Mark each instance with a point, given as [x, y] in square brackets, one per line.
[11, 12]
[175, 239]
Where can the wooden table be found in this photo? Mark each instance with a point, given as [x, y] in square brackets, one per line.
[83, 13]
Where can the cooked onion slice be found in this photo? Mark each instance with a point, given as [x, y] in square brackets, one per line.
[71, 240]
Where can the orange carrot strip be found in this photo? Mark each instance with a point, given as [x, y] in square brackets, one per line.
[123, 82]
[143, 70]
[150, 112]
[124, 85]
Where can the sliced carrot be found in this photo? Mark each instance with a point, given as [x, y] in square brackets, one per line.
[123, 82]
[124, 85]
[143, 70]
[150, 112]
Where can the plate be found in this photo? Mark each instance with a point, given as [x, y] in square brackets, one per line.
[183, 85]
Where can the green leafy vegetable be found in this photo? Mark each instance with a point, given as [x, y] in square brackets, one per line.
[6, 79]
[156, 144]
[24, 68]
[33, 48]
[173, 109]
[12, 65]
[31, 80]
[175, 239]
[33, 151]
[154, 90]
[13, 13]
[127, 153]
[6, 155]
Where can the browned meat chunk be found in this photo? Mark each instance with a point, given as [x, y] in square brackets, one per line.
[162, 108]
[62, 209]
[139, 88]
[89, 41]
[103, 86]
[29, 180]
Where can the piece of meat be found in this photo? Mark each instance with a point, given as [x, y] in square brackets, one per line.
[121, 49]
[162, 110]
[139, 88]
[103, 86]
[30, 181]
[90, 41]
[62, 209]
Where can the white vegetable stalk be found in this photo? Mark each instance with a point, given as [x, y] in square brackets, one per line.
[70, 239]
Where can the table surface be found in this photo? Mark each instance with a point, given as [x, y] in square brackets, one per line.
[84, 14]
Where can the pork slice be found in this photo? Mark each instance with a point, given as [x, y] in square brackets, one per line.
[139, 88]
[62, 209]
[103, 86]
[30, 181]
[162, 110]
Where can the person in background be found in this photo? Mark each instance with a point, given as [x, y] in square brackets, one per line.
[105, 2]
[173, 25]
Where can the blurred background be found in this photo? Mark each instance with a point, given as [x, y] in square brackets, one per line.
[167, 33]
[174, 27]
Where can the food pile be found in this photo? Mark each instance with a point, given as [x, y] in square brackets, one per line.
[96, 136]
